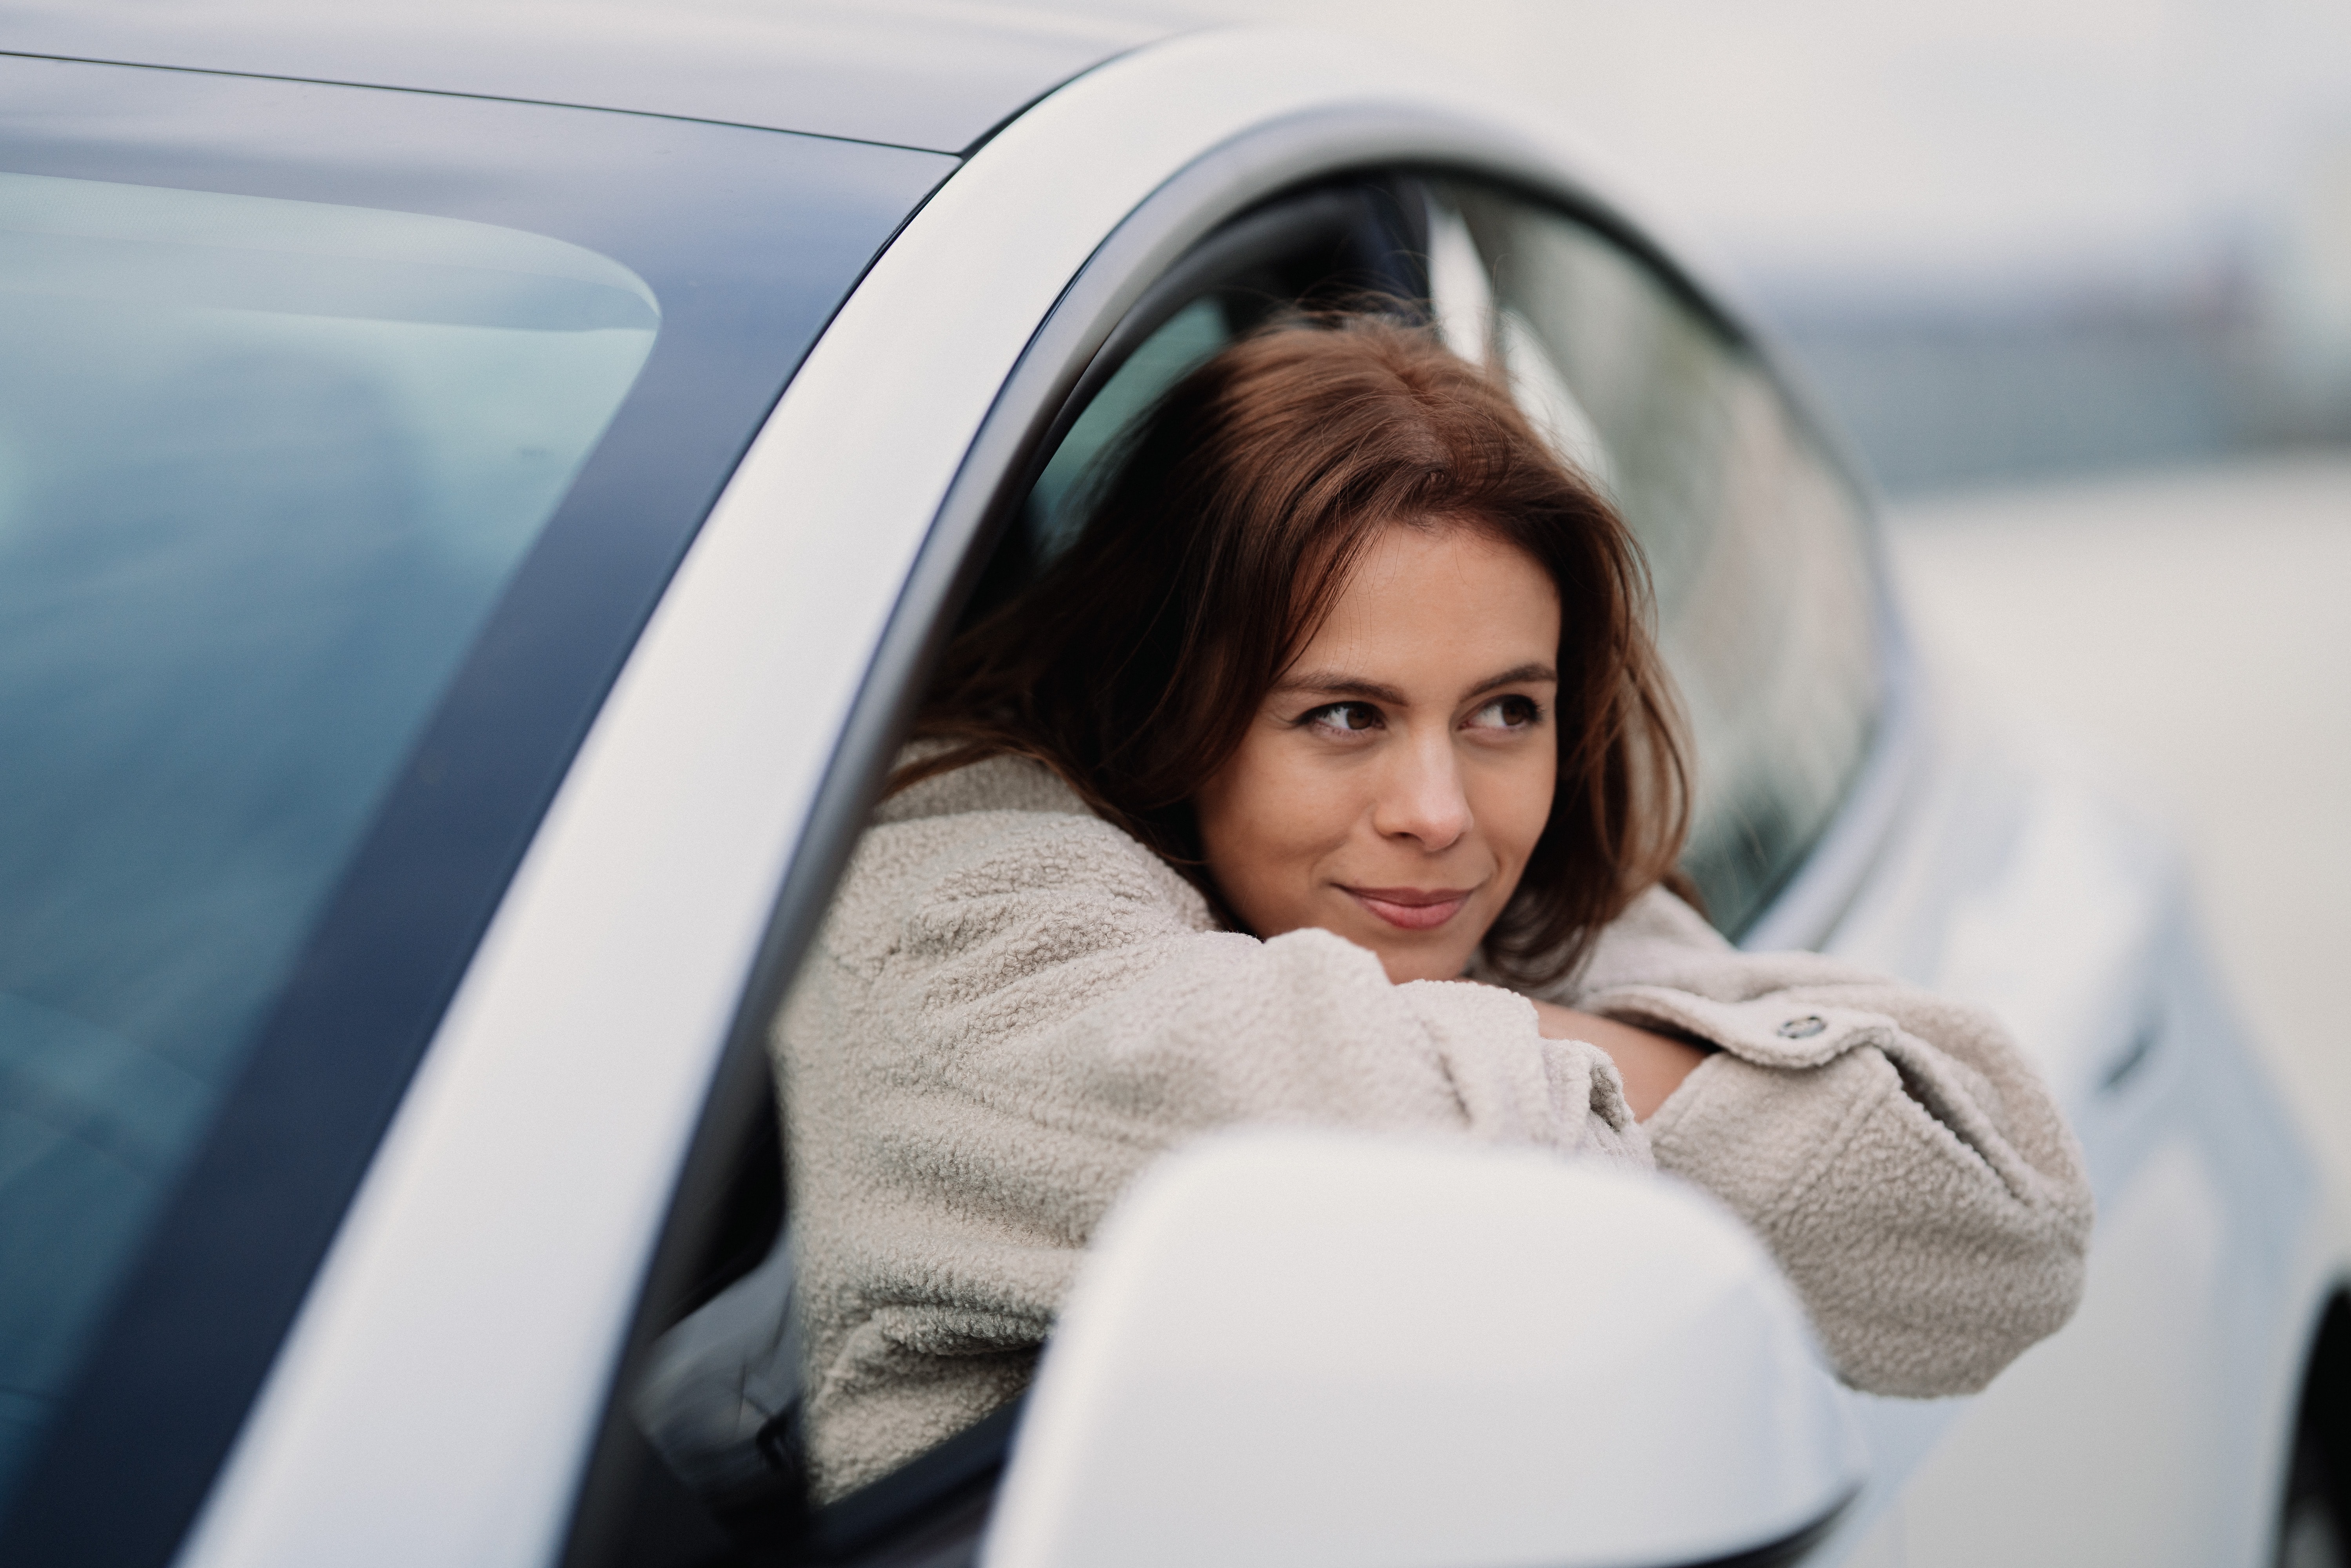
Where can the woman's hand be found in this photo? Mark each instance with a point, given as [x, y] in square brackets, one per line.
[1653, 1065]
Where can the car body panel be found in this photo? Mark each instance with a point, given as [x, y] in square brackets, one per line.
[2153, 1426]
[935, 77]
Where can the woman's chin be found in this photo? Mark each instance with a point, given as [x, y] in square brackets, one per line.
[1420, 962]
[1438, 955]
[1436, 952]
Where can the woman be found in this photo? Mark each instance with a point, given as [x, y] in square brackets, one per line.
[1331, 776]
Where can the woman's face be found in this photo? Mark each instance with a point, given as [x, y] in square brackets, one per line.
[1394, 783]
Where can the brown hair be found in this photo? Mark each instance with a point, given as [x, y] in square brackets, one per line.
[1222, 533]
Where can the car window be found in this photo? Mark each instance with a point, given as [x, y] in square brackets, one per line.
[1757, 545]
[264, 466]
[346, 440]
[707, 1422]
[1055, 505]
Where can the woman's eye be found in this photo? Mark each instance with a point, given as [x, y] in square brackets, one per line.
[1347, 718]
[1506, 713]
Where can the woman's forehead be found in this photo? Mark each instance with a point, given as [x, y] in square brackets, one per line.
[1436, 602]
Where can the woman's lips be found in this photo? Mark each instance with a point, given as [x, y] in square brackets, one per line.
[1412, 908]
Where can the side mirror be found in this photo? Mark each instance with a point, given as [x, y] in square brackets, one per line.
[1302, 1349]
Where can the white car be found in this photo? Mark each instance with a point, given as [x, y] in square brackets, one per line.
[480, 487]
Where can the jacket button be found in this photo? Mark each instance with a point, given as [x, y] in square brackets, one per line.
[1804, 1028]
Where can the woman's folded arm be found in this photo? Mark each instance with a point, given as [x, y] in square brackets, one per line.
[1008, 1015]
[1054, 975]
[1903, 1161]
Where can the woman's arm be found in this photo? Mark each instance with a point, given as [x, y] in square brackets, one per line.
[1653, 1066]
[1895, 1149]
[1008, 1016]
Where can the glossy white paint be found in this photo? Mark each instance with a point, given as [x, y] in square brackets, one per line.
[2010, 849]
[1311, 1350]
[2150, 1429]
[2214, 616]
[2105, 1444]
[435, 1400]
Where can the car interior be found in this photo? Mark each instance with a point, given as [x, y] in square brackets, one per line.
[699, 1462]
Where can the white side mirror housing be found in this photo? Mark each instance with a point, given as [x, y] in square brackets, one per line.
[1301, 1349]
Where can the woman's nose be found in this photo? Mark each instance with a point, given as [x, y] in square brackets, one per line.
[1421, 795]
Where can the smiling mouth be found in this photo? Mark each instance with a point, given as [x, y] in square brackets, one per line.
[1412, 908]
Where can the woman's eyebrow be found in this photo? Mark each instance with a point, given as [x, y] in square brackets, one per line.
[1333, 683]
[1337, 684]
[1523, 672]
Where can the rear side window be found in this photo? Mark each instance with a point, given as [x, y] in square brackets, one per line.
[1757, 545]
[1056, 506]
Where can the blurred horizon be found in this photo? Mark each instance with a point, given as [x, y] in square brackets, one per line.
[2009, 241]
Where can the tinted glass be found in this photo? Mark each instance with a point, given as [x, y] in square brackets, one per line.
[346, 440]
[1057, 505]
[1757, 547]
[267, 464]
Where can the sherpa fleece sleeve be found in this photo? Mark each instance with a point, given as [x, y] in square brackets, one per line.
[1895, 1150]
[1009, 1013]
[1056, 986]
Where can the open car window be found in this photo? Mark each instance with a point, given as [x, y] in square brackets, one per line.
[1757, 543]
[1764, 592]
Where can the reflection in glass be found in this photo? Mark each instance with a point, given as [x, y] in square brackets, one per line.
[1756, 545]
[264, 466]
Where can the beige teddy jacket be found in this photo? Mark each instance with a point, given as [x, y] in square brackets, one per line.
[1014, 1008]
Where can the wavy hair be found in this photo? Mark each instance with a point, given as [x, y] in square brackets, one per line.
[1219, 534]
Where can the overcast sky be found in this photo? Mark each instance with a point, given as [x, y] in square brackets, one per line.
[1978, 145]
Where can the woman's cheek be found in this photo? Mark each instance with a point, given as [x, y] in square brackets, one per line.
[1520, 807]
[1293, 832]
[1258, 827]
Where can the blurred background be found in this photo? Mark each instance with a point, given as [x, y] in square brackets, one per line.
[2075, 276]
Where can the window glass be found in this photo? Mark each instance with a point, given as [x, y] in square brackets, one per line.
[1757, 547]
[265, 466]
[1158, 363]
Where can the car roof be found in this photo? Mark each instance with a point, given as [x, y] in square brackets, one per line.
[937, 75]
